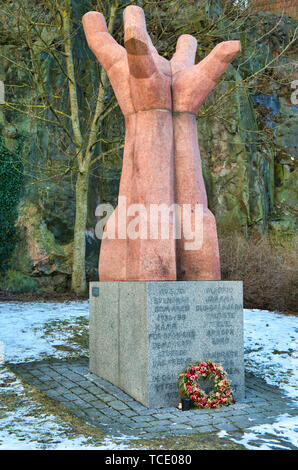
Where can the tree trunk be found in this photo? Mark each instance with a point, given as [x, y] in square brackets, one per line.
[78, 281]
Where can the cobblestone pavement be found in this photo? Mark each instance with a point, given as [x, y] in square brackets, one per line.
[104, 405]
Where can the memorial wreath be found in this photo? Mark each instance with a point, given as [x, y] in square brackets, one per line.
[221, 394]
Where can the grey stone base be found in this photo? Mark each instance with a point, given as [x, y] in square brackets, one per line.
[142, 334]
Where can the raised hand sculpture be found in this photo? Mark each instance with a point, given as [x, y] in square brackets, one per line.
[161, 163]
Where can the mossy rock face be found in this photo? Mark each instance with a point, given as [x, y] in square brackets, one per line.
[283, 229]
[248, 145]
[234, 193]
[19, 283]
[38, 254]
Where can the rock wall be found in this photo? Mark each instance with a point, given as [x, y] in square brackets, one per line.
[248, 144]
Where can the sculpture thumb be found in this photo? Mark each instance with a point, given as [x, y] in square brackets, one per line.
[137, 43]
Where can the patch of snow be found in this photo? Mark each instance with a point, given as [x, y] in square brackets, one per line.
[282, 434]
[271, 344]
[22, 328]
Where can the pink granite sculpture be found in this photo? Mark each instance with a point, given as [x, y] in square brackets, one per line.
[161, 163]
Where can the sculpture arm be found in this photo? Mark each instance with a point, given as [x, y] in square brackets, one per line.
[191, 85]
[142, 84]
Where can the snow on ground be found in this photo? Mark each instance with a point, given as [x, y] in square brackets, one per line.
[22, 328]
[271, 436]
[271, 348]
[271, 352]
[36, 330]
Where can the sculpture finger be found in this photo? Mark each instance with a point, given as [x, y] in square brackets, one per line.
[215, 63]
[185, 53]
[137, 43]
[99, 40]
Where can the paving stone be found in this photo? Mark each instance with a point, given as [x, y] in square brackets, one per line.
[106, 420]
[128, 413]
[170, 410]
[94, 378]
[94, 413]
[53, 393]
[72, 376]
[76, 390]
[180, 419]
[237, 413]
[59, 368]
[142, 425]
[188, 414]
[85, 384]
[123, 396]
[111, 389]
[98, 404]
[292, 411]
[241, 422]
[202, 411]
[43, 387]
[80, 369]
[164, 422]
[61, 390]
[177, 413]
[110, 412]
[87, 396]
[259, 419]
[106, 398]
[180, 428]
[207, 428]
[146, 412]
[79, 413]
[118, 405]
[35, 373]
[54, 375]
[226, 427]
[136, 406]
[81, 403]
[217, 419]
[202, 421]
[95, 390]
[143, 419]
[34, 381]
[45, 378]
[68, 384]
[70, 405]
[125, 420]
[163, 416]
[70, 396]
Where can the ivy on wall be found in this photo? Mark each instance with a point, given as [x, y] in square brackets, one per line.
[11, 177]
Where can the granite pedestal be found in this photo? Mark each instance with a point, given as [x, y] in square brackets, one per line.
[143, 333]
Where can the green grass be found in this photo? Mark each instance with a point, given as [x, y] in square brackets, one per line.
[197, 441]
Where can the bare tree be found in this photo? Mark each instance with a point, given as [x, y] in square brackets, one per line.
[54, 19]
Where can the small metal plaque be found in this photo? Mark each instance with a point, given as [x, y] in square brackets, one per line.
[95, 291]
